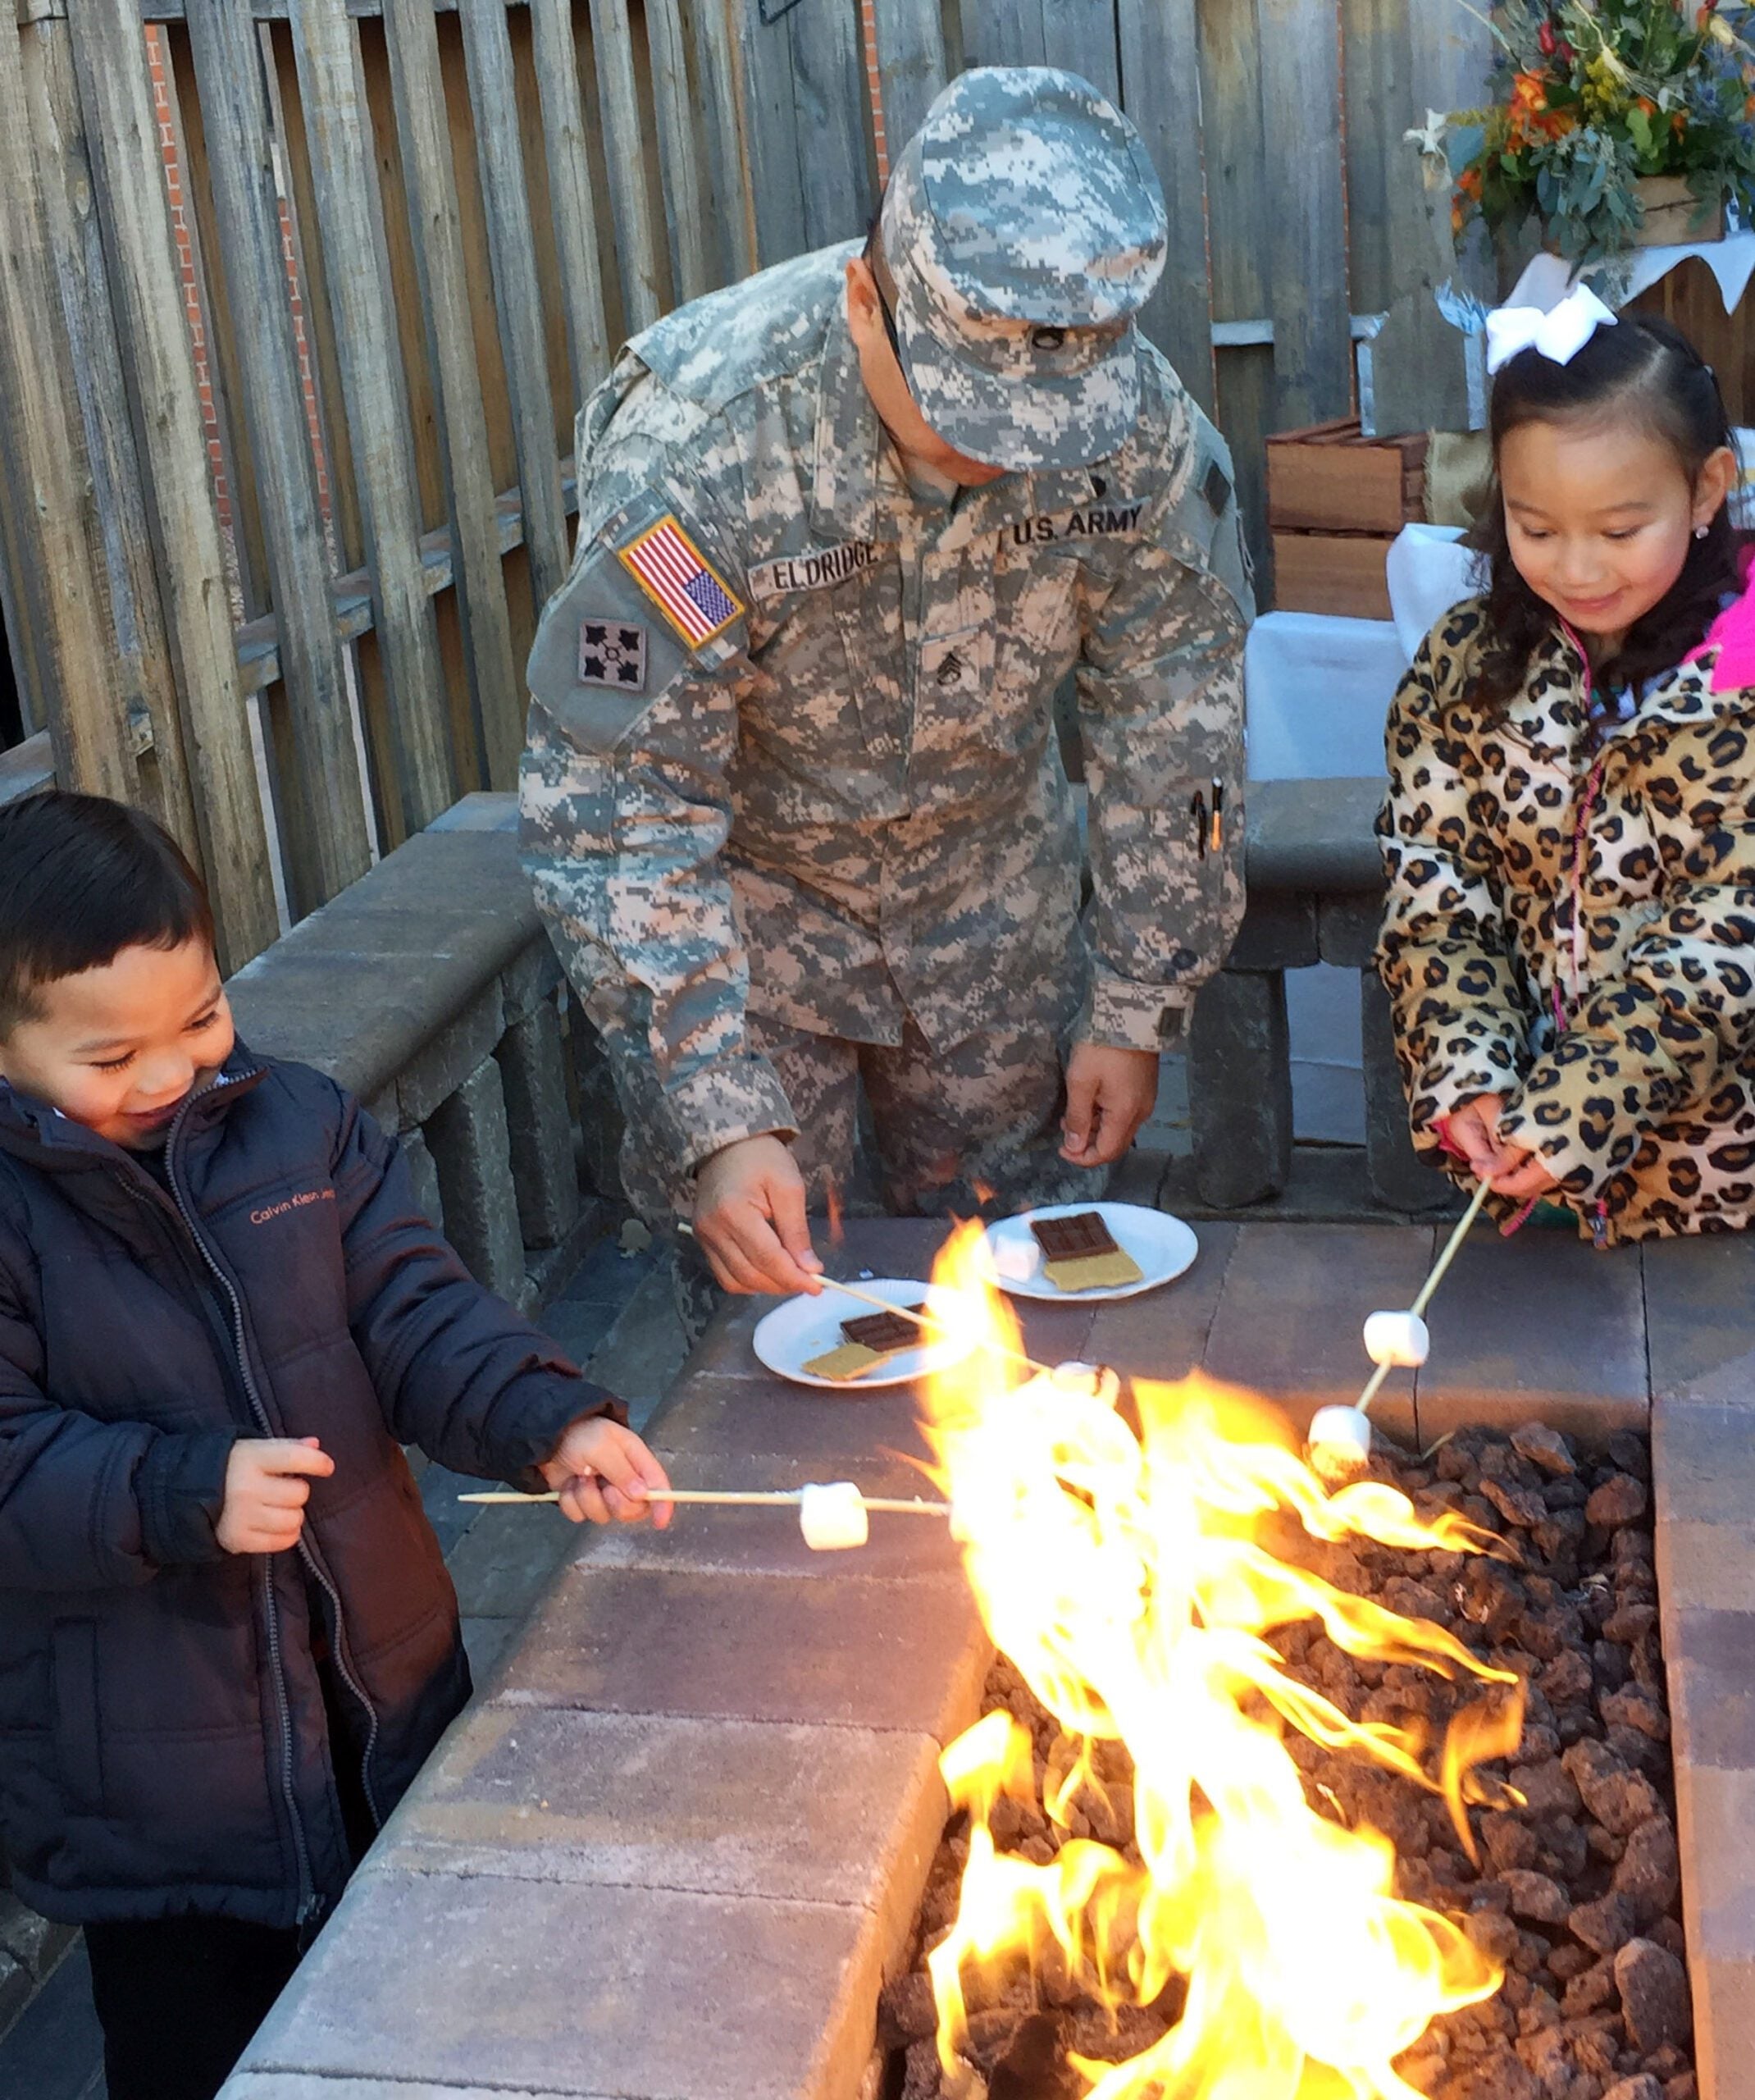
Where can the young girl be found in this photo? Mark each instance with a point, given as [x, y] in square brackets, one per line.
[1568, 942]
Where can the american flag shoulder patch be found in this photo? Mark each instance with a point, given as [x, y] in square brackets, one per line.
[680, 582]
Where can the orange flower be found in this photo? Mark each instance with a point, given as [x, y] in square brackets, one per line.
[1469, 182]
[1647, 105]
[1529, 116]
[1678, 122]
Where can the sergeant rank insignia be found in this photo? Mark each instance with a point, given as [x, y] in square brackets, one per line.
[676, 577]
[613, 653]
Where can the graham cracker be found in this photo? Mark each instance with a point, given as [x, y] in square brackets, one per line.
[1094, 1272]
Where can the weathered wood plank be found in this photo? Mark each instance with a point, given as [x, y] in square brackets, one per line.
[718, 76]
[637, 241]
[1081, 36]
[258, 641]
[802, 74]
[115, 523]
[65, 600]
[685, 195]
[28, 768]
[770, 130]
[517, 291]
[1301, 110]
[329, 833]
[834, 170]
[912, 58]
[433, 221]
[1160, 85]
[338, 135]
[571, 202]
[105, 36]
[1004, 33]
[1239, 213]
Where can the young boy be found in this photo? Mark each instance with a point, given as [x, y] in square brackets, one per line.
[227, 1638]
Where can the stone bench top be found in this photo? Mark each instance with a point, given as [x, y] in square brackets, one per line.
[671, 1851]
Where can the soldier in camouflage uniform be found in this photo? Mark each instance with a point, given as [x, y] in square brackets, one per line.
[793, 802]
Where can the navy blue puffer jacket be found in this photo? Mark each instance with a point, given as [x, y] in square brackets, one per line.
[164, 1745]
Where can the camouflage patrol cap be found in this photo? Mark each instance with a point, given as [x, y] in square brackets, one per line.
[1024, 228]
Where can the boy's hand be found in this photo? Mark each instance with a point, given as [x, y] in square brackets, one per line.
[268, 1484]
[606, 1475]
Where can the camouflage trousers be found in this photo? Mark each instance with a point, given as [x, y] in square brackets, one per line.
[973, 1130]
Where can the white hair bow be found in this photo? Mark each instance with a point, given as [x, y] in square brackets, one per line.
[1559, 334]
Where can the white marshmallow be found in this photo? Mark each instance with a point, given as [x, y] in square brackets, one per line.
[1340, 1439]
[832, 1516]
[1016, 1260]
[1096, 1380]
[1397, 1339]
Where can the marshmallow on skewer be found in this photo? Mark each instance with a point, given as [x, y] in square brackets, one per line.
[1096, 1381]
[832, 1517]
[1339, 1441]
[1397, 1340]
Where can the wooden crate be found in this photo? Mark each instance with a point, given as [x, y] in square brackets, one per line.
[1332, 479]
[1337, 573]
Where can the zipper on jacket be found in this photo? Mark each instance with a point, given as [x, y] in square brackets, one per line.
[240, 1343]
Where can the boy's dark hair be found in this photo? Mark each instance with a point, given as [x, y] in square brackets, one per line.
[81, 879]
[1649, 372]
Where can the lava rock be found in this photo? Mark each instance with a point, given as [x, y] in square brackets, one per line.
[1547, 1788]
[1620, 1800]
[1630, 1623]
[1535, 1897]
[906, 2011]
[1634, 1707]
[1649, 1872]
[1606, 1925]
[1590, 1990]
[1621, 1499]
[1544, 1447]
[1522, 1506]
[1653, 1987]
[1567, 1680]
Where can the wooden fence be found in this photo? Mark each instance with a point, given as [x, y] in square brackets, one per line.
[298, 298]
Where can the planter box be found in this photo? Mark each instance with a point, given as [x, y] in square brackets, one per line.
[1671, 213]
[1332, 479]
[1338, 572]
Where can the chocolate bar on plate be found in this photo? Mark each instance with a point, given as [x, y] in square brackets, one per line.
[871, 1339]
[1079, 1253]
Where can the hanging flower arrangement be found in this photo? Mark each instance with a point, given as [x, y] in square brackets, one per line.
[1592, 96]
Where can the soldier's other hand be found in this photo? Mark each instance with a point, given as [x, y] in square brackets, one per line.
[1108, 1094]
[749, 1217]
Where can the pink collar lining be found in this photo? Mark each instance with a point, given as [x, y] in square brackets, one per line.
[1732, 634]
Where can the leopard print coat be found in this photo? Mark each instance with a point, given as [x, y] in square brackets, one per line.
[1572, 924]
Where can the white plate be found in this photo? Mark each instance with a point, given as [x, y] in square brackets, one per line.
[789, 1337]
[1161, 1245]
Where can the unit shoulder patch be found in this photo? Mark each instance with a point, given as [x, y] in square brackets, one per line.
[612, 653]
[674, 573]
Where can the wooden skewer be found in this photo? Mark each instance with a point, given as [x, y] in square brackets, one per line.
[923, 1321]
[1452, 1246]
[781, 1498]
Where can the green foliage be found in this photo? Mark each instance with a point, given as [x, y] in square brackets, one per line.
[1595, 94]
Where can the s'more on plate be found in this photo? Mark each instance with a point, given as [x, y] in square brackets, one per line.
[866, 1342]
[1079, 1253]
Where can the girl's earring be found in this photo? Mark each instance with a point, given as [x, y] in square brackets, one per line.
[1701, 531]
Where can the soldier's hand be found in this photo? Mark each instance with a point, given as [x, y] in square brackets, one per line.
[1108, 1094]
[750, 1217]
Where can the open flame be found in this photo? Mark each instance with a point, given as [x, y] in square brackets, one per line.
[1129, 1577]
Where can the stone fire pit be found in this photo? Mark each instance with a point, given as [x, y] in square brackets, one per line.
[674, 1851]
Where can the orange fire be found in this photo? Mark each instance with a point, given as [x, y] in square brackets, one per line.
[1130, 1579]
